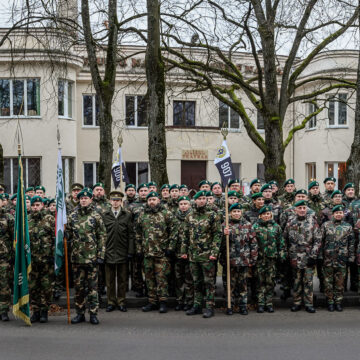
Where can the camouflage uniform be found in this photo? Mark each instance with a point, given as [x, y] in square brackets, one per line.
[304, 242]
[287, 199]
[276, 209]
[101, 204]
[71, 204]
[271, 247]
[348, 201]
[220, 201]
[154, 232]
[128, 201]
[337, 250]
[42, 244]
[326, 197]
[87, 233]
[6, 258]
[203, 241]
[252, 215]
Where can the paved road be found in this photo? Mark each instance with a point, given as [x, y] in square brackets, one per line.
[136, 335]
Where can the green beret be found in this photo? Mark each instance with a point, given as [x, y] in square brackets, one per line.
[45, 201]
[77, 186]
[255, 181]
[183, 186]
[266, 187]
[289, 181]
[273, 182]
[35, 199]
[233, 193]
[165, 186]
[236, 206]
[301, 203]
[2, 197]
[142, 186]
[301, 191]
[152, 194]
[182, 198]
[100, 184]
[84, 192]
[335, 192]
[204, 182]
[312, 184]
[6, 195]
[152, 183]
[257, 195]
[210, 193]
[349, 185]
[14, 196]
[330, 178]
[338, 208]
[264, 209]
[87, 189]
[130, 186]
[27, 197]
[40, 187]
[51, 201]
[234, 181]
[174, 186]
[215, 183]
[116, 195]
[199, 193]
[30, 188]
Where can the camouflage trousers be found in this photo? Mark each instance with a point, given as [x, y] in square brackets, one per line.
[286, 276]
[5, 291]
[334, 283]
[303, 285]
[60, 280]
[157, 270]
[116, 275]
[86, 285]
[41, 285]
[137, 280]
[203, 276]
[265, 276]
[238, 281]
[184, 282]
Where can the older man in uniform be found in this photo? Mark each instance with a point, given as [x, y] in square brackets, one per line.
[72, 201]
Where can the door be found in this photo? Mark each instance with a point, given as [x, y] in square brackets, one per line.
[192, 172]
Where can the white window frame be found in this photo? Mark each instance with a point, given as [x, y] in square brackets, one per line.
[66, 170]
[137, 170]
[94, 111]
[135, 111]
[195, 116]
[230, 129]
[11, 87]
[313, 171]
[310, 109]
[336, 171]
[335, 99]
[66, 99]
[94, 170]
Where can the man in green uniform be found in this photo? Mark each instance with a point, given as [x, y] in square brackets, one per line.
[30, 191]
[258, 200]
[255, 186]
[288, 197]
[183, 190]
[165, 193]
[329, 183]
[349, 194]
[205, 185]
[130, 191]
[40, 191]
[218, 193]
[72, 201]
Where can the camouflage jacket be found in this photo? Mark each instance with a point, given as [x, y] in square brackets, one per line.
[303, 240]
[6, 235]
[42, 236]
[172, 205]
[204, 235]
[154, 231]
[136, 208]
[348, 201]
[287, 200]
[128, 201]
[270, 240]
[316, 203]
[276, 209]
[220, 201]
[326, 214]
[101, 204]
[252, 215]
[71, 204]
[243, 245]
[337, 243]
[290, 214]
[87, 233]
[181, 232]
[326, 197]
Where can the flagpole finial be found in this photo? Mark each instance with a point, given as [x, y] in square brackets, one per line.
[224, 130]
[120, 140]
[19, 149]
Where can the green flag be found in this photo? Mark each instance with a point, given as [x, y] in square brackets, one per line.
[22, 268]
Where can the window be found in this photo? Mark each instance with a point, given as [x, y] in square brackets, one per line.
[68, 173]
[91, 173]
[90, 110]
[65, 93]
[260, 121]
[260, 172]
[138, 172]
[19, 97]
[135, 111]
[310, 172]
[184, 113]
[237, 170]
[337, 110]
[228, 116]
[337, 170]
[312, 122]
[31, 172]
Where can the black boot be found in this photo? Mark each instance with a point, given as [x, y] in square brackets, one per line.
[5, 316]
[310, 309]
[57, 295]
[295, 308]
[243, 310]
[229, 311]
[269, 308]
[110, 308]
[331, 307]
[338, 307]
[163, 308]
[149, 307]
[93, 319]
[44, 316]
[35, 317]
[194, 310]
[186, 307]
[208, 313]
[79, 318]
[179, 307]
[260, 309]
[286, 294]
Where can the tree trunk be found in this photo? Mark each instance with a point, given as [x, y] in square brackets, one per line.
[1, 164]
[155, 75]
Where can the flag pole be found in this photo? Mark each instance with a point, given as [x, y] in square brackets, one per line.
[120, 141]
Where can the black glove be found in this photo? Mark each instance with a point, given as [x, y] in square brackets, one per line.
[169, 253]
[99, 261]
[311, 262]
[139, 255]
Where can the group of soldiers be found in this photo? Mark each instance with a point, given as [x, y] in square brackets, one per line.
[172, 245]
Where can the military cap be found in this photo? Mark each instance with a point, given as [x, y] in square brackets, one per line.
[204, 182]
[116, 195]
[301, 191]
[30, 188]
[35, 199]
[209, 193]
[289, 181]
[51, 201]
[174, 186]
[348, 186]
[301, 203]
[233, 193]
[215, 183]
[199, 193]
[152, 183]
[183, 186]
[312, 184]
[330, 178]
[130, 186]
[182, 198]
[6, 195]
[84, 192]
[338, 208]
[264, 209]
[45, 201]
[266, 187]
[236, 206]
[234, 181]
[2, 197]
[273, 182]
[27, 197]
[77, 186]
[40, 187]
[87, 189]
[257, 195]
[142, 186]
[98, 184]
[335, 192]
[165, 186]
[14, 196]
[255, 181]
[152, 194]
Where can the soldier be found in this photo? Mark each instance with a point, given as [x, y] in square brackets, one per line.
[276, 209]
[335, 199]
[12, 205]
[337, 251]
[154, 231]
[349, 194]
[287, 199]
[40, 191]
[258, 200]
[6, 258]
[52, 206]
[315, 200]
[130, 192]
[235, 185]
[173, 204]
[42, 243]
[304, 242]
[152, 186]
[255, 186]
[6, 197]
[202, 249]
[329, 188]
[99, 198]
[28, 203]
[87, 234]
[274, 189]
[183, 190]
[30, 191]
[119, 247]
[205, 185]
[184, 282]
[271, 248]
[72, 201]
[165, 193]
[243, 250]
[218, 194]
[210, 201]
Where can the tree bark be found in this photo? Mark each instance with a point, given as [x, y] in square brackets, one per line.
[155, 98]
[1, 164]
